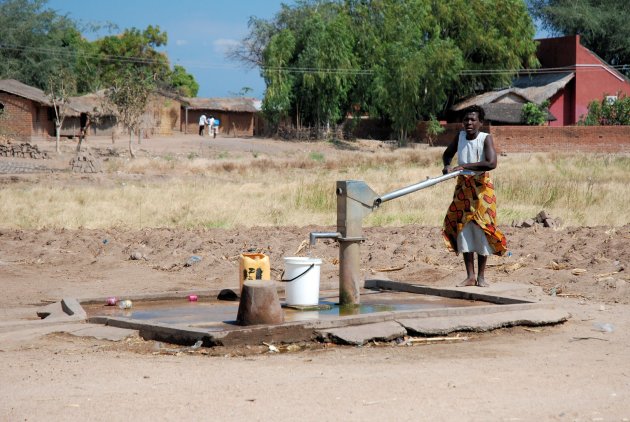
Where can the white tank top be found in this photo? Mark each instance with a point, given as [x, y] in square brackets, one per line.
[471, 151]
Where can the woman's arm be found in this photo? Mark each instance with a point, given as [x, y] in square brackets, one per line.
[448, 155]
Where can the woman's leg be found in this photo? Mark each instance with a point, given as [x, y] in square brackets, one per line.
[469, 262]
[481, 270]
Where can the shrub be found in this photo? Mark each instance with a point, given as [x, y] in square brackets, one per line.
[610, 111]
[533, 114]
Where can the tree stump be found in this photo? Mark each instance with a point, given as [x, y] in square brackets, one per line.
[259, 304]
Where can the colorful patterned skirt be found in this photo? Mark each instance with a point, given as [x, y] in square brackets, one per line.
[474, 201]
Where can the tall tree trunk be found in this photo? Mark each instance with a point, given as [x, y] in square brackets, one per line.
[131, 153]
[57, 136]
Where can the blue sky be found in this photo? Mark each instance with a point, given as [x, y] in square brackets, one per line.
[198, 34]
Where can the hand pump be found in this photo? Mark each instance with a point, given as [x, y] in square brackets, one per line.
[355, 200]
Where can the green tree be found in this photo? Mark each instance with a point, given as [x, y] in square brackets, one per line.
[434, 128]
[495, 38]
[133, 51]
[308, 63]
[398, 60]
[609, 111]
[602, 25]
[84, 62]
[415, 67]
[278, 98]
[34, 41]
[328, 43]
[137, 51]
[183, 82]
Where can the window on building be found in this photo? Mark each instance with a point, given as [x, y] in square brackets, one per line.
[611, 99]
[1, 109]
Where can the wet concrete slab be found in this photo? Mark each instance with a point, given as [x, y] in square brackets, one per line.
[389, 309]
[220, 315]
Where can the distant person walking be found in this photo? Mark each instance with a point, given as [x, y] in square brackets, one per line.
[470, 222]
[215, 127]
[202, 124]
[211, 127]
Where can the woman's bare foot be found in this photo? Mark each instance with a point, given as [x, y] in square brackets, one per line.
[481, 282]
[468, 282]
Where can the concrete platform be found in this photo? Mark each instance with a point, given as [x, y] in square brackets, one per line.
[500, 311]
[504, 305]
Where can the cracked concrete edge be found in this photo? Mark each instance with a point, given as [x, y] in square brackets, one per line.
[101, 332]
[68, 309]
[483, 323]
[387, 331]
[151, 330]
[358, 335]
[183, 335]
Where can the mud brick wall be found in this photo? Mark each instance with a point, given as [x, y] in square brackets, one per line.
[23, 119]
[595, 139]
[511, 139]
[17, 116]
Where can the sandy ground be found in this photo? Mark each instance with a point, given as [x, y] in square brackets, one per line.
[567, 372]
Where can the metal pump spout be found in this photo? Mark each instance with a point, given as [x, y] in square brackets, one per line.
[322, 235]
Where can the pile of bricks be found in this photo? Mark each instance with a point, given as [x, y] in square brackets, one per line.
[85, 162]
[25, 150]
[542, 219]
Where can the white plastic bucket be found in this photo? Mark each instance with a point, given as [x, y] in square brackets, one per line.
[304, 272]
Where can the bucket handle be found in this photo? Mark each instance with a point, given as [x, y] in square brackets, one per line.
[296, 277]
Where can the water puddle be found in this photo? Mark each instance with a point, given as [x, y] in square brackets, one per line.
[211, 313]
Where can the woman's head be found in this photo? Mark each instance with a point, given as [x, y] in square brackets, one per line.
[481, 115]
[473, 119]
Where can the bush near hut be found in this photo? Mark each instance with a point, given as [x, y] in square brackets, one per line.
[610, 111]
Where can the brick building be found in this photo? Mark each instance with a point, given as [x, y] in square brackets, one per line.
[571, 77]
[24, 111]
[592, 77]
[27, 114]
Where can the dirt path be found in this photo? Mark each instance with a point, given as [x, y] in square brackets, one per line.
[566, 372]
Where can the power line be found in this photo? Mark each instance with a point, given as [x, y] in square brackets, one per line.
[342, 71]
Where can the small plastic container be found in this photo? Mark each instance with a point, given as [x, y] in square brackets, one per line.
[125, 304]
[111, 301]
[192, 298]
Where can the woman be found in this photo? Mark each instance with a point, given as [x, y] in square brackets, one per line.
[470, 223]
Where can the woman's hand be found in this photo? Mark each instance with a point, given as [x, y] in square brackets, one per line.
[449, 169]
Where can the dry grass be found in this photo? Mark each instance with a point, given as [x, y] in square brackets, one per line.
[247, 190]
